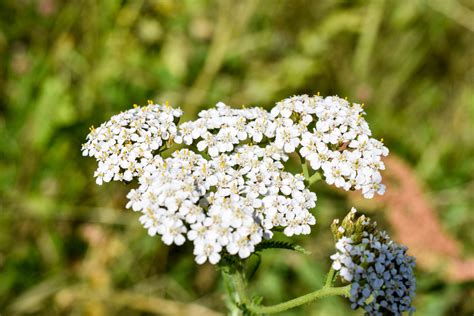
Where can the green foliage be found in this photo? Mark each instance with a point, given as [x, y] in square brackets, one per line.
[66, 65]
[275, 244]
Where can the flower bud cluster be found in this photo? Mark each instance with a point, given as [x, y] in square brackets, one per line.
[125, 145]
[379, 270]
[353, 226]
[230, 202]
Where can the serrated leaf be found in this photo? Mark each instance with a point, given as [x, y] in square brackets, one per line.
[271, 244]
[254, 267]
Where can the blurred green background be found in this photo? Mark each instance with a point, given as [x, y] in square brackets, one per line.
[69, 247]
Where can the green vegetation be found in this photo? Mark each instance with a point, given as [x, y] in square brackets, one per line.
[68, 246]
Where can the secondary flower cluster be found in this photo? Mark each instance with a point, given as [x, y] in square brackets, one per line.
[230, 202]
[221, 128]
[379, 270]
[125, 145]
[330, 133]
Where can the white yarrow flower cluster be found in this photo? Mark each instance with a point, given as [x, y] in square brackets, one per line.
[124, 146]
[235, 192]
[331, 134]
[220, 129]
[230, 202]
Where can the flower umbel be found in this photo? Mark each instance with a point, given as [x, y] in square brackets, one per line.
[228, 190]
[333, 136]
[124, 146]
[330, 133]
[224, 188]
[230, 202]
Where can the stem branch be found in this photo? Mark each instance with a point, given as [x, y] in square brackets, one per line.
[314, 178]
[304, 166]
[330, 277]
[324, 292]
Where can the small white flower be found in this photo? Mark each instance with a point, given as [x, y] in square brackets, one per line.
[287, 138]
[207, 251]
[209, 141]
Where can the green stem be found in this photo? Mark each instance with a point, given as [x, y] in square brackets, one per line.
[304, 166]
[330, 277]
[324, 292]
[239, 284]
[231, 302]
[235, 285]
[314, 178]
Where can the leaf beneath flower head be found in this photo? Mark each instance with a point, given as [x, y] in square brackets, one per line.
[271, 244]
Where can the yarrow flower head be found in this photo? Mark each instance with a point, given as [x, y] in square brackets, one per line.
[332, 135]
[230, 202]
[220, 129]
[228, 190]
[379, 270]
[125, 145]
